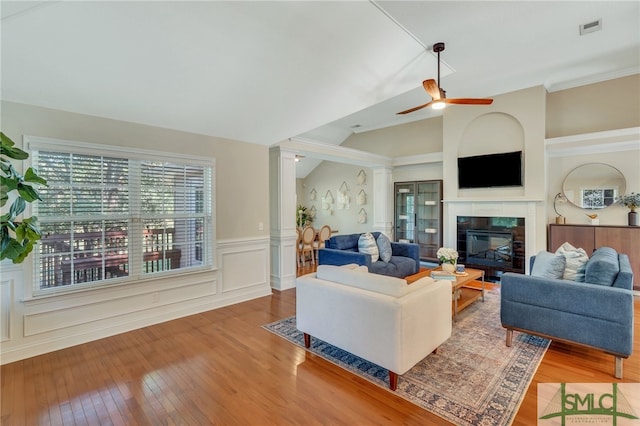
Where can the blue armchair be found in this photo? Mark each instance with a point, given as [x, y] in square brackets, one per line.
[597, 313]
[343, 249]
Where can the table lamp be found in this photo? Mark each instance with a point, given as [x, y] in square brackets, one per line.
[561, 220]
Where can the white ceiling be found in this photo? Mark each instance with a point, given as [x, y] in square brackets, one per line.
[265, 71]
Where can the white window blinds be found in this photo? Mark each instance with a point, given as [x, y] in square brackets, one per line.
[111, 216]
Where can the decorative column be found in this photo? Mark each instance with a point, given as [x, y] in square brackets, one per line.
[282, 206]
[383, 201]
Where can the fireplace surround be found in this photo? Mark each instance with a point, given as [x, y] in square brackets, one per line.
[493, 244]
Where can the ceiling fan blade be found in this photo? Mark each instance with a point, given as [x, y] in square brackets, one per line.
[469, 101]
[432, 89]
[415, 108]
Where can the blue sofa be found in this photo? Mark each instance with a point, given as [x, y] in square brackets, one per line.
[343, 250]
[597, 313]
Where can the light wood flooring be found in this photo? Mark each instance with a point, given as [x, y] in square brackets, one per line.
[220, 367]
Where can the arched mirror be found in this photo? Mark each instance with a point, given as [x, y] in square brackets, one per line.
[593, 186]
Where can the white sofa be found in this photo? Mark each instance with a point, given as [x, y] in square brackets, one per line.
[378, 318]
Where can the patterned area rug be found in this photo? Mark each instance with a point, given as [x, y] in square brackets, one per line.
[473, 379]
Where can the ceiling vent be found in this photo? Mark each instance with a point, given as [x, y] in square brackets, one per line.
[590, 27]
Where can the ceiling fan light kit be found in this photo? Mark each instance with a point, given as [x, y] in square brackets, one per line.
[439, 95]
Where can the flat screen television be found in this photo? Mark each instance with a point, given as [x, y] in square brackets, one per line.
[489, 171]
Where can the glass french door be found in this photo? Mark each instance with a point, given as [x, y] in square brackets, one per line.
[418, 215]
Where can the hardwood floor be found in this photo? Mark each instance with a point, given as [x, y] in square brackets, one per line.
[221, 367]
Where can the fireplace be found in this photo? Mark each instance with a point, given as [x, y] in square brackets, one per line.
[493, 244]
[490, 248]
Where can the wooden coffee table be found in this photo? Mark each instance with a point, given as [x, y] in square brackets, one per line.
[463, 294]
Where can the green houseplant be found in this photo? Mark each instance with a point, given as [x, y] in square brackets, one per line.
[18, 235]
[303, 217]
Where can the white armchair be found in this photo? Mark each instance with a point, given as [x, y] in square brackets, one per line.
[379, 318]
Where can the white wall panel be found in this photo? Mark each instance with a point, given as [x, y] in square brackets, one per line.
[244, 264]
[39, 325]
[6, 308]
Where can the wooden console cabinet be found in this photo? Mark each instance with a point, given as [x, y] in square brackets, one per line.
[625, 239]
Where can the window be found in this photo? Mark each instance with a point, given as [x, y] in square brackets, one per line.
[111, 215]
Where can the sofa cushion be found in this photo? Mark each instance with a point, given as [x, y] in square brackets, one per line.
[576, 262]
[358, 278]
[384, 247]
[344, 242]
[367, 244]
[603, 267]
[355, 266]
[548, 265]
[398, 266]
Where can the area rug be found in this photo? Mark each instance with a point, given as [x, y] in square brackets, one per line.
[473, 379]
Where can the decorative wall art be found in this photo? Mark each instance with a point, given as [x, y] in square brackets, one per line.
[362, 216]
[344, 200]
[361, 199]
[313, 212]
[361, 178]
[327, 203]
[313, 194]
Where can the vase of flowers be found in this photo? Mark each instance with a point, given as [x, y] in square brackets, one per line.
[632, 202]
[448, 258]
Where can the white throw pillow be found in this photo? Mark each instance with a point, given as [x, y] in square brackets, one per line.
[367, 244]
[576, 262]
[384, 248]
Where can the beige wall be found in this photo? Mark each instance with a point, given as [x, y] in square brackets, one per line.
[35, 325]
[521, 120]
[609, 105]
[329, 176]
[418, 137]
[242, 169]
[515, 121]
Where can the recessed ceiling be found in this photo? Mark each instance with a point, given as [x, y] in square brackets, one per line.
[262, 72]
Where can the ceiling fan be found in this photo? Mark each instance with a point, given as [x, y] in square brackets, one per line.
[438, 93]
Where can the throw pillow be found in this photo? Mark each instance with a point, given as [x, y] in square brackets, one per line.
[603, 267]
[367, 244]
[548, 265]
[576, 262]
[384, 248]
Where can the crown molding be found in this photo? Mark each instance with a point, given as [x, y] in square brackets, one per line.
[594, 143]
[570, 84]
[337, 153]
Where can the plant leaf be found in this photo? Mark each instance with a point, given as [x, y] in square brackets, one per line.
[33, 232]
[17, 207]
[13, 152]
[28, 193]
[26, 249]
[31, 175]
[6, 140]
[21, 232]
[12, 250]
[8, 184]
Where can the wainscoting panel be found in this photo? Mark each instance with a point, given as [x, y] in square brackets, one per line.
[6, 309]
[33, 326]
[59, 318]
[244, 264]
[283, 262]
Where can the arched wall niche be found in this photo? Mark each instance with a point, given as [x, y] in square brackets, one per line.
[492, 133]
